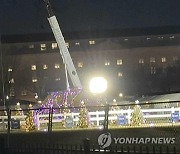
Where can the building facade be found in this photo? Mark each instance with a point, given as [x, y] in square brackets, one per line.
[137, 65]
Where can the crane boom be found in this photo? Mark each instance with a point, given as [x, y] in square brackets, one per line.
[62, 46]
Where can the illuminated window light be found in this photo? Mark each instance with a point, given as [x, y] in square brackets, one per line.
[11, 81]
[152, 60]
[56, 66]
[119, 62]
[31, 46]
[153, 70]
[107, 63]
[120, 74]
[33, 67]
[171, 37]
[160, 37]
[10, 69]
[80, 64]
[141, 61]
[77, 43]
[45, 67]
[91, 42]
[54, 45]
[43, 47]
[163, 59]
[34, 80]
[58, 79]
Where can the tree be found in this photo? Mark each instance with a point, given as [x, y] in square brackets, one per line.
[83, 116]
[137, 116]
[30, 119]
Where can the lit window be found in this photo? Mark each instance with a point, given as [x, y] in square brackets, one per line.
[31, 46]
[11, 81]
[153, 70]
[141, 61]
[33, 67]
[10, 69]
[77, 43]
[119, 62]
[120, 74]
[171, 37]
[91, 42]
[80, 64]
[45, 67]
[43, 47]
[152, 60]
[175, 58]
[58, 79]
[56, 66]
[163, 59]
[160, 37]
[107, 63]
[54, 45]
[67, 44]
[34, 80]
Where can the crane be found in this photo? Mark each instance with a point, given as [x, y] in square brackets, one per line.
[69, 66]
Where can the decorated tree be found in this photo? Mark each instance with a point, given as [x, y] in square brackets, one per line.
[18, 110]
[137, 116]
[83, 116]
[30, 119]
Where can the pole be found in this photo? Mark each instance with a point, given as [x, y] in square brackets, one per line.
[50, 120]
[86, 146]
[9, 126]
[106, 117]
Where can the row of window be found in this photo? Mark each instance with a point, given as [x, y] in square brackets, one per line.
[91, 42]
[43, 46]
[107, 63]
[142, 61]
[119, 74]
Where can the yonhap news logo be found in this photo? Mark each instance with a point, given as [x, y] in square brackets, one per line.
[105, 140]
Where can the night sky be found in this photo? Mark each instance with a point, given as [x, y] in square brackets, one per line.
[29, 16]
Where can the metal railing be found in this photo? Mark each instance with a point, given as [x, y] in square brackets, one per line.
[154, 117]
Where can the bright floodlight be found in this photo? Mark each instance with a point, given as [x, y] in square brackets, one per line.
[98, 85]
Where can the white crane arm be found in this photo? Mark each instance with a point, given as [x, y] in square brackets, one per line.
[62, 46]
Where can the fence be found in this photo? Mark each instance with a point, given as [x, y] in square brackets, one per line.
[119, 116]
[86, 148]
[154, 117]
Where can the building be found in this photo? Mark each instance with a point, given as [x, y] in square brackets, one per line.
[133, 65]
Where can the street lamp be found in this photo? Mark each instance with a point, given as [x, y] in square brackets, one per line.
[98, 85]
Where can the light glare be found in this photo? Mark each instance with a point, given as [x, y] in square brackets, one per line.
[98, 85]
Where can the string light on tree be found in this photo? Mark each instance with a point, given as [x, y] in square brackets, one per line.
[83, 116]
[137, 116]
[30, 126]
